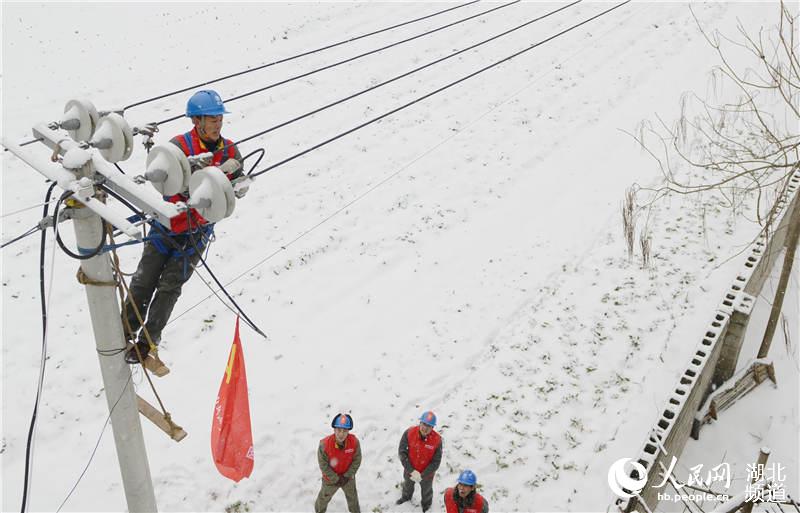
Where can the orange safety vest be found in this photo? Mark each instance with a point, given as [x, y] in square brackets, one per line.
[191, 144]
[420, 452]
[339, 459]
[451, 506]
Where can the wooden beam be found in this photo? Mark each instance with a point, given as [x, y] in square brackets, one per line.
[156, 417]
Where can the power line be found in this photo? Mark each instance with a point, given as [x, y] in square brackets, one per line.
[287, 59]
[45, 302]
[350, 59]
[403, 75]
[20, 237]
[214, 277]
[96, 445]
[7, 214]
[238, 310]
[284, 247]
[436, 91]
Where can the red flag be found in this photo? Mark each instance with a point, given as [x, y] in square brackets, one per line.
[231, 436]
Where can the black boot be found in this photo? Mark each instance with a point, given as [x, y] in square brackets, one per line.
[132, 357]
[401, 500]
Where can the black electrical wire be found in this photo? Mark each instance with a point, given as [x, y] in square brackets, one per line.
[403, 75]
[258, 160]
[436, 91]
[34, 415]
[20, 237]
[122, 200]
[96, 251]
[287, 59]
[350, 59]
[194, 243]
[97, 444]
[219, 284]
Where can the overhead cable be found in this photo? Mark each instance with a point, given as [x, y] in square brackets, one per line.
[398, 77]
[287, 59]
[96, 445]
[236, 309]
[436, 91]
[20, 237]
[359, 197]
[350, 59]
[14, 212]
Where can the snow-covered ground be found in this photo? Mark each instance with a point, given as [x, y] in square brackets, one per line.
[486, 279]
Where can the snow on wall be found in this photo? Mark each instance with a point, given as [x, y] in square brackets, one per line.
[671, 431]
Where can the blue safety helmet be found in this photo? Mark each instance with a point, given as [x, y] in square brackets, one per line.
[205, 103]
[343, 421]
[467, 477]
[428, 418]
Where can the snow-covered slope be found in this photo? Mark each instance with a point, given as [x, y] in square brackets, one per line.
[484, 278]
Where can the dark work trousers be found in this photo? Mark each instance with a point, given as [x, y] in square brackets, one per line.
[426, 487]
[164, 275]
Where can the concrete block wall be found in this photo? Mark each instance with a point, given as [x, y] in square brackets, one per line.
[750, 280]
[714, 359]
[674, 426]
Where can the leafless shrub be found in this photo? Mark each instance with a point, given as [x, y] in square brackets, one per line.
[629, 220]
[645, 245]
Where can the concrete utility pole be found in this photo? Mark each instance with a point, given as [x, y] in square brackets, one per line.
[105, 314]
[94, 143]
[107, 325]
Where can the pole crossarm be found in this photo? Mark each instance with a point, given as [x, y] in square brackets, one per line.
[142, 196]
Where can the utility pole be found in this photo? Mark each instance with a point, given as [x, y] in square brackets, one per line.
[94, 143]
[106, 321]
[107, 326]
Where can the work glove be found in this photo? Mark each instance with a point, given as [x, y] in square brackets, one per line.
[415, 476]
[241, 186]
[148, 130]
[342, 481]
[200, 161]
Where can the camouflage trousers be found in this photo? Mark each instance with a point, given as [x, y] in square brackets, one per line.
[154, 289]
[327, 491]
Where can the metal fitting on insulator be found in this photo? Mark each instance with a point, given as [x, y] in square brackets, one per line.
[148, 143]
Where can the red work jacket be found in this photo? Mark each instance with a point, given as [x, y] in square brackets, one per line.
[451, 507]
[340, 459]
[420, 452]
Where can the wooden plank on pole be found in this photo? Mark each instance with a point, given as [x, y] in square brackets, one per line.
[156, 417]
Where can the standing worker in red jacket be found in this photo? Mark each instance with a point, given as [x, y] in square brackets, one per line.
[463, 498]
[339, 456]
[420, 453]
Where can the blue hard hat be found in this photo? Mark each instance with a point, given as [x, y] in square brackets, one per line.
[467, 477]
[343, 421]
[428, 418]
[205, 103]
